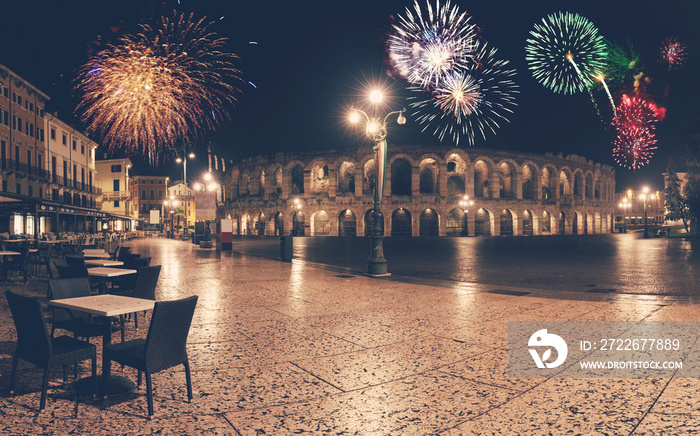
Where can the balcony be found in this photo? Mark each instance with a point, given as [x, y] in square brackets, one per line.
[116, 195]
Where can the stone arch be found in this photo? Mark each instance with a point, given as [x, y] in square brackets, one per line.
[482, 223]
[456, 222]
[565, 182]
[579, 184]
[598, 224]
[401, 171]
[482, 178]
[276, 178]
[346, 177]
[244, 183]
[590, 187]
[429, 176]
[575, 223]
[298, 224]
[401, 223]
[318, 176]
[549, 183]
[507, 178]
[527, 223]
[546, 223]
[561, 222]
[347, 223]
[457, 172]
[507, 223]
[597, 188]
[260, 224]
[369, 223]
[320, 223]
[279, 224]
[529, 181]
[429, 223]
[245, 224]
[297, 179]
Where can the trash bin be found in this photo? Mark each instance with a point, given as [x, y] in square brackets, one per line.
[286, 248]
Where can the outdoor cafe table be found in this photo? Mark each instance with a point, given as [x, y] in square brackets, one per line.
[96, 253]
[4, 269]
[109, 273]
[107, 306]
[102, 262]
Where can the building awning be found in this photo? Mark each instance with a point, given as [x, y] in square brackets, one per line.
[114, 216]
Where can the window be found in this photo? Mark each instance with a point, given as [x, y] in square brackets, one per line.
[30, 129]
[82, 147]
[116, 203]
[160, 194]
[17, 123]
[40, 112]
[29, 106]
[29, 158]
[19, 189]
[75, 144]
[116, 168]
[65, 139]
[143, 194]
[40, 134]
[17, 98]
[53, 133]
[39, 161]
[153, 195]
[4, 117]
[3, 90]
[115, 185]
[160, 182]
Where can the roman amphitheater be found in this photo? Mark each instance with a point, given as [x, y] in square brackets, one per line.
[430, 191]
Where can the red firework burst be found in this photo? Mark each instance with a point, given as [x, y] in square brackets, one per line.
[673, 52]
[637, 112]
[633, 146]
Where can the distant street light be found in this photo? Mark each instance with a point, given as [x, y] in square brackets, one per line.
[183, 161]
[644, 196]
[465, 203]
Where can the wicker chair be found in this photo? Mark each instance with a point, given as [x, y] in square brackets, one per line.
[163, 348]
[80, 323]
[36, 346]
[19, 263]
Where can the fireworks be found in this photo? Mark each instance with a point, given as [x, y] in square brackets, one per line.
[635, 124]
[672, 53]
[566, 53]
[473, 101]
[155, 89]
[633, 146]
[622, 63]
[427, 46]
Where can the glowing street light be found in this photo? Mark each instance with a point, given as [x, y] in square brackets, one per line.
[465, 203]
[624, 205]
[183, 161]
[376, 130]
[644, 196]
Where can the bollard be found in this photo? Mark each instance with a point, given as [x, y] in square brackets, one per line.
[286, 248]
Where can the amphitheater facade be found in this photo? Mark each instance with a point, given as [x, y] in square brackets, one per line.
[331, 193]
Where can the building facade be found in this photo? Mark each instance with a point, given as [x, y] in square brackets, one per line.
[113, 179]
[46, 166]
[147, 194]
[180, 192]
[507, 193]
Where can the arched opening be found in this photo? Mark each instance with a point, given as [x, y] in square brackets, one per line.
[564, 185]
[482, 223]
[455, 186]
[546, 226]
[369, 223]
[260, 225]
[456, 222]
[428, 176]
[279, 224]
[347, 224]
[481, 180]
[548, 185]
[429, 223]
[401, 224]
[297, 180]
[277, 181]
[585, 223]
[321, 223]
[298, 225]
[346, 177]
[562, 223]
[528, 183]
[506, 223]
[578, 185]
[319, 178]
[574, 224]
[507, 178]
[589, 186]
[401, 177]
[527, 223]
[245, 224]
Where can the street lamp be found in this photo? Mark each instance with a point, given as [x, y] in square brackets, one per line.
[170, 204]
[183, 161]
[644, 196]
[376, 131]
[624, 205]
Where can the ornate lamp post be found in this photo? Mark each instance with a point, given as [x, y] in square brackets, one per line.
[376, 130]
[644, 196]
[464, 203]
[624, 205]
[183, 161]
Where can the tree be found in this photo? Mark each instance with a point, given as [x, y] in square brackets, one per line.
[676, 207]
[691, 194]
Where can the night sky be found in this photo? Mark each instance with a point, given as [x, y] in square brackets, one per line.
[311, 60]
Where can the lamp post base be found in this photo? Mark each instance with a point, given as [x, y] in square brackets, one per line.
[376, 264]
[377, 269]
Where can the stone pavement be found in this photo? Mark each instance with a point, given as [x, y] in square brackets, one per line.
[285, 348]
